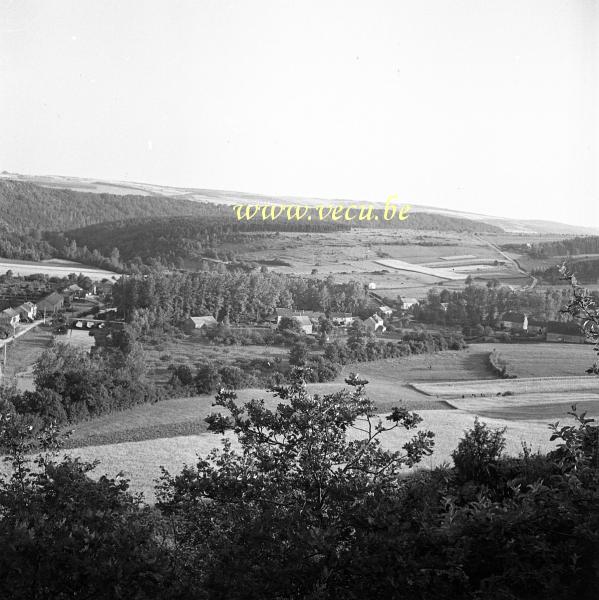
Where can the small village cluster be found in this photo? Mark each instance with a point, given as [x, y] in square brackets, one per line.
[515, 323]
[307, 320]
[28, 312]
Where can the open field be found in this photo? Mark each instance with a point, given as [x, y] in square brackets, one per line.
[141, 461]
[550, 385]
[389, 383]
[388, 386]
[533, 406]
[357, 255]
[170, 433]
[401, 265]
[542, 360]
[54, 268]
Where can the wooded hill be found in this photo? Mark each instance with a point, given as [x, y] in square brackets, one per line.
[24, 206]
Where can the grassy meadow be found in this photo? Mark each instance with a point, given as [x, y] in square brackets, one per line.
[141, 461]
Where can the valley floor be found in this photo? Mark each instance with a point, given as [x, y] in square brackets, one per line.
[173, 432]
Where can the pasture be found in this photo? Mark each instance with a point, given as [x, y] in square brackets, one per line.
[388, 386]
[171, 433]
[141, 461]
[528, 385]
[357, 255]
[531, 407]
[542, 360]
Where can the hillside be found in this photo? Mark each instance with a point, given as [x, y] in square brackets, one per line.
[25, 206]
[176, 239]
[226, 197]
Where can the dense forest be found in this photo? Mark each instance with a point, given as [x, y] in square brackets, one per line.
[25, 207]
[169, 241]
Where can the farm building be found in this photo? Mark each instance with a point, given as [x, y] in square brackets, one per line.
[407, 303]
[290, 313]
[9, 317]
[386, 311]
[341, 319]
[74, 291]
[374, 323]
[51, 304]
[304, 322]
[27, 311]
[567, 333]
[199, 323]
[514, 321]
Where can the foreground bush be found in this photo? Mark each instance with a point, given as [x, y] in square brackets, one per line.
[299, 510]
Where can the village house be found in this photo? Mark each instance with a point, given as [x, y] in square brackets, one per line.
[9, 317]
[514, 321]
[74, 291]
[375, 323]
[566, 333]
[407, 303]
[341, 319]
[27, 311]
[201, 324]
[50, 304]
[304, 322]
[289, 313]
[386, 311]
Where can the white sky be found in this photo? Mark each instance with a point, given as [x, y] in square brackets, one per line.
[478, 105]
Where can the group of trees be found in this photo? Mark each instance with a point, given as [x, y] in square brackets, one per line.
[363, 346]
[566, 247]
[71, 385]
[483, 305]
[160, 298]
[586, 270]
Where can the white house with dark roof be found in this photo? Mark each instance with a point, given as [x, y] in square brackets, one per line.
[27, 311]
[374, 323]
[291, 313]
[514, 321]
[9, 317]
[341, 318]
[200, 323]
[407, 303]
